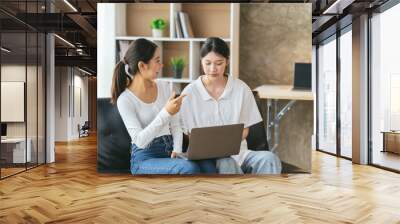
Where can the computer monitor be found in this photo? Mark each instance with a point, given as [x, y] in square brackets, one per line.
[302, 76]
[3, 129]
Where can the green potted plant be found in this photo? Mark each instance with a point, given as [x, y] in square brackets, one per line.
[157, 26]
[178, 64]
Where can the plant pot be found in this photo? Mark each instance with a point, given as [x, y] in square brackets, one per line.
[157, 33]
[177, 73]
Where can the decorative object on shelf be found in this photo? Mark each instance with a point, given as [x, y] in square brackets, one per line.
[186, 26]
[178, 27]
[158, 25]
[183, 28]
[193, 27]
[178, 64]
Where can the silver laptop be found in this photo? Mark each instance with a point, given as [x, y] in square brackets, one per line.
[214, 142]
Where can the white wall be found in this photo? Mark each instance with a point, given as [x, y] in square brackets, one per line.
[16, 73]
[67, 114]
[12, 101]
[61, 103]
[106, 32]
[79, 117]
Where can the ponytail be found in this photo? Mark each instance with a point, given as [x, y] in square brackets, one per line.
[119, 82]
[139, 50]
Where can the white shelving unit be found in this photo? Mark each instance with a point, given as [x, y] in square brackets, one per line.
[132, 21]
[129, 38]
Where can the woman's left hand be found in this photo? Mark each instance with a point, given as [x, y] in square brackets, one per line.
[173, 154]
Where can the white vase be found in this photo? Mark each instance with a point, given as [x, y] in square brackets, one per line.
[157, 33]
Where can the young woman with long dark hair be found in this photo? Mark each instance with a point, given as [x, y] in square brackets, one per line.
[149, 111]
[217, 98]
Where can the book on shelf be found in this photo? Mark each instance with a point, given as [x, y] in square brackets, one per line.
[178, 27]
[186, 26]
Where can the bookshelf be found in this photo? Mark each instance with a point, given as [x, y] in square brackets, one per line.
[127, 22]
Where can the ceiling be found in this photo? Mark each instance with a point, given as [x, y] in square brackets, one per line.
[330, 15]
[76, 22]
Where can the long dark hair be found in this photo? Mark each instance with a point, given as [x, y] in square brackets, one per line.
[217, 45]
[139, 50]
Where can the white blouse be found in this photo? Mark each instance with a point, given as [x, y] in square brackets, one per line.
[236, 105]
[147, 121]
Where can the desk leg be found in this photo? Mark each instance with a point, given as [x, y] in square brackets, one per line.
[277, 119]
[268, 124]
[276, 127]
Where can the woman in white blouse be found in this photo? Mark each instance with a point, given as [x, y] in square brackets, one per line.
[149, 110]
[219, 99]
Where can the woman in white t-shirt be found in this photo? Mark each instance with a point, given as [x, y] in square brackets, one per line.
[219, 99]
[149, 110]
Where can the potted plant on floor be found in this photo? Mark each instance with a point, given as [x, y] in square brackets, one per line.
[157, 26]
[178, 64]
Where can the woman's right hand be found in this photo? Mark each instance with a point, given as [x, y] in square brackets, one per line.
[173, 104]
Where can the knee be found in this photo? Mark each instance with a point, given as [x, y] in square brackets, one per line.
[268, 163]
[226, 161]
[228, 166]
[268, 157]
[189, 167]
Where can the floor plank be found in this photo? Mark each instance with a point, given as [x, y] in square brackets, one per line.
[71, 191]
[386, 159]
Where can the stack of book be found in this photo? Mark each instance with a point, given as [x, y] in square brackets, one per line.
[183, 28]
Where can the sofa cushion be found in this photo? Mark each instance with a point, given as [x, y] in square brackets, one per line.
[113, 140]
[257, 139]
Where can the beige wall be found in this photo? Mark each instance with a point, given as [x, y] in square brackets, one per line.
[272, 38]
[34, 105]
[71, 102]
[17, 73]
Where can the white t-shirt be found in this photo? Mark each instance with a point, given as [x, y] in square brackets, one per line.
[146, 121]
[236, 105]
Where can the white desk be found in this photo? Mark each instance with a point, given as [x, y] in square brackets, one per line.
[18, 145]
[273, 93]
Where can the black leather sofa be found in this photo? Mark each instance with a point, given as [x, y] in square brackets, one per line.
[113, 141]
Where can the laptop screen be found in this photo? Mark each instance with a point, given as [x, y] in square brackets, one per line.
[302, 76]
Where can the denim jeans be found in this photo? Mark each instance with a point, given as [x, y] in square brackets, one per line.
[262, 162]
[256, 162]
[156, 159]
[228, 165]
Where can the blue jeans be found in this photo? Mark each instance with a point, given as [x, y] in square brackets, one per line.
[256, 162]
[156, 159]
[228, 165]
[262, 162]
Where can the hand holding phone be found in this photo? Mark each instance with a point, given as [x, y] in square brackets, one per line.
[174, 103]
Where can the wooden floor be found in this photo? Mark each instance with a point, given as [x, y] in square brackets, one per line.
[10, 171]
[71, 191]
[386, 159]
